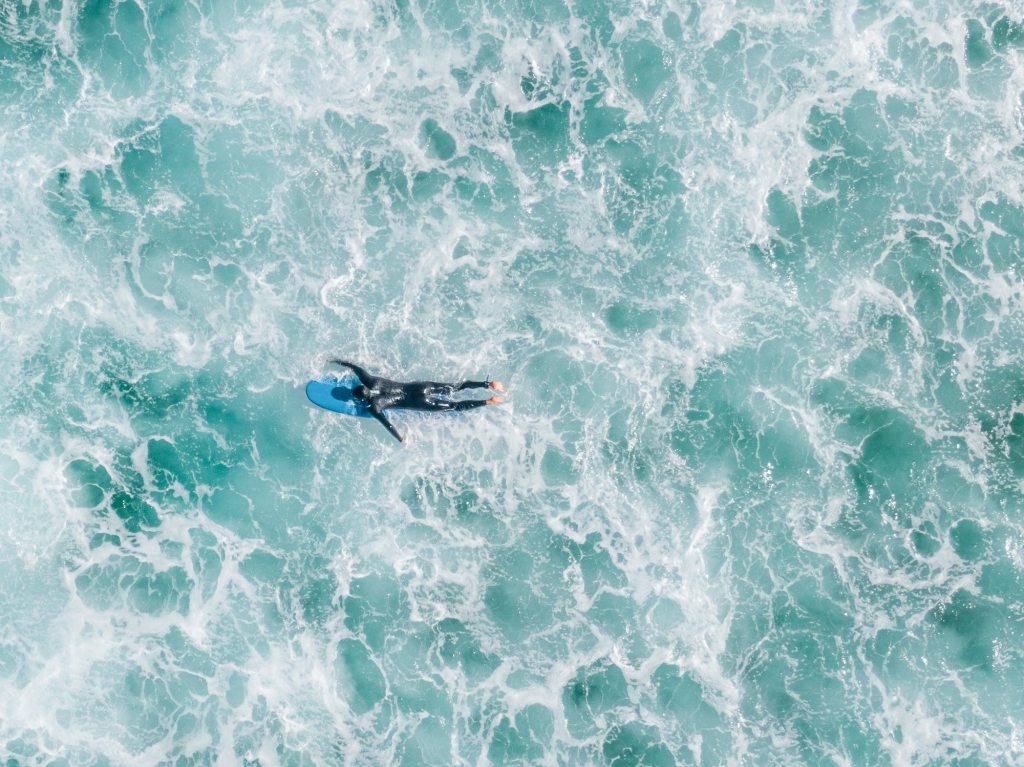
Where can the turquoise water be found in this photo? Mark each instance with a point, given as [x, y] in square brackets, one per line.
[751, 273]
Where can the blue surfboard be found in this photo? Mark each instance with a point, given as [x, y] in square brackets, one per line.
[335, 393]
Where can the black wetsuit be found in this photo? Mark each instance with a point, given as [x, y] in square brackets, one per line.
[383, 394]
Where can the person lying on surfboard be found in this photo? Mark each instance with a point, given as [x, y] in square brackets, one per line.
[380, 394]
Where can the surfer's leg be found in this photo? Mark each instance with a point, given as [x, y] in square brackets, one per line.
[470, 404]
[496, 385]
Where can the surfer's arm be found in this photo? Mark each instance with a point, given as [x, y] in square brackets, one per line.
[364, 378]
[379, 415]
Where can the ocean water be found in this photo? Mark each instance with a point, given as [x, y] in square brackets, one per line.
[751, 272]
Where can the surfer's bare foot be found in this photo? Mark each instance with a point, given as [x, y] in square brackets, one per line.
[495, 400]
[497, 386]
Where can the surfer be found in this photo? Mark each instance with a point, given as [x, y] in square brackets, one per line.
[380, 394]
